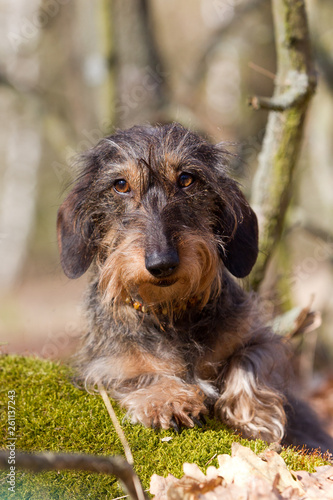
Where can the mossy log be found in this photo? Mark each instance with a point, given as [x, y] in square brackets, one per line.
[53, 415]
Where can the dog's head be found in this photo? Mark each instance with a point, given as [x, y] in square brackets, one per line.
[156, 210]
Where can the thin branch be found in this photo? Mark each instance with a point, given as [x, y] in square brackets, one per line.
[261, 70]
[116, 466]
[116, 424]
[301, 88]
[296, 95]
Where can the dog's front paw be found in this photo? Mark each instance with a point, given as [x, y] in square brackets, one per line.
[167, 403]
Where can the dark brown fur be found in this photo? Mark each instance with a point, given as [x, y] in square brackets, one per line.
[171, 334]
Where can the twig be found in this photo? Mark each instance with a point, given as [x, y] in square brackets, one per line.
[294, 96]
[122, 437]
[116, 466]
[261, 70]
[116, 424]
[211, 459]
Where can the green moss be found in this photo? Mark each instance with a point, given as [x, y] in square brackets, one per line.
[51, 414]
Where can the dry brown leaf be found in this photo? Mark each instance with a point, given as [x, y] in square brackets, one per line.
[192, 470]
[297, 321]
[324, 472]
[318, 485]
[245, 476]
[244, 464]
[159, 485]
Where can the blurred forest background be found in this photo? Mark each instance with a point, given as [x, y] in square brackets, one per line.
[71, 71]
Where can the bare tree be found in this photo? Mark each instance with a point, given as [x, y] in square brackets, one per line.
[20, 136]
[138, 72]
[294, 86]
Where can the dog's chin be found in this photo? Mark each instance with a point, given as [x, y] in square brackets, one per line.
[165, 283]
[159, 291]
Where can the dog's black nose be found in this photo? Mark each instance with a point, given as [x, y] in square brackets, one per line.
[162, 264]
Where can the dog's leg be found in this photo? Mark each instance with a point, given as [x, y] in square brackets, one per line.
[155, 391]
[250, 399]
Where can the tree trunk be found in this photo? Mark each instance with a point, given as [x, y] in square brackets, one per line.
[20, 137]
[137, 68]
[294, 86]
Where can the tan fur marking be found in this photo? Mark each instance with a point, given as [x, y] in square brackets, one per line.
[134, 364]
[138, 363]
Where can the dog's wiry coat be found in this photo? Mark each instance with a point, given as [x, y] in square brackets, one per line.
[171, 334]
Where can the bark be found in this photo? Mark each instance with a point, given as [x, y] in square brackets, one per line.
[295, 84]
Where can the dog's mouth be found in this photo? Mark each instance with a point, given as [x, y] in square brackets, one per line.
[164, 283]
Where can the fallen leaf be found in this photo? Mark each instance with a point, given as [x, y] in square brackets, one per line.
[243, 464]
[319, 484]
[296, 321]
[245, 476]
[159, 485]
[192, 470]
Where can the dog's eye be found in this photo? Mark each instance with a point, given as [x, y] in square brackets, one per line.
[122, 186]
[185, 180]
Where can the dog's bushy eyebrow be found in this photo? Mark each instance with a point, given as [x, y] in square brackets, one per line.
[147, 147]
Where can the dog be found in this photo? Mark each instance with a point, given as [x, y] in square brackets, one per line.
[171, 334]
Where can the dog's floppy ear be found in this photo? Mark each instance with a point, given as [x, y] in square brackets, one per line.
[239, 230]
[75, 235]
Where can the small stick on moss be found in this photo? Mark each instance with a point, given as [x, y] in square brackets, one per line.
[115, 421]
[117, 466]
[122, 438]
[211, 459]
